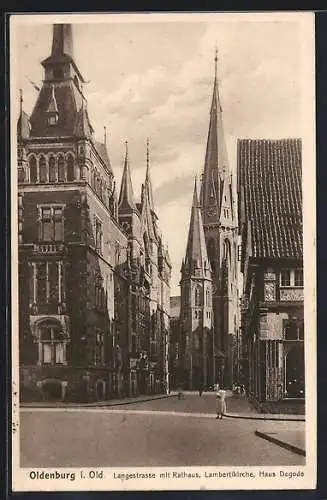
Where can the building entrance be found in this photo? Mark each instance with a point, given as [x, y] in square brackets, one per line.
[294, 371]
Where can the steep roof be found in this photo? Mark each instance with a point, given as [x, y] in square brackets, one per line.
[270, 183]
[23, 126]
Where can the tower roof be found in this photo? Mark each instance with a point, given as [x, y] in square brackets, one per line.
[196, 251]
[126, 197]
[216, 165]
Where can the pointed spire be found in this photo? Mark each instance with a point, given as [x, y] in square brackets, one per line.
[126, 197]
[216, 165]
[105, 135]
[195, 194]
[23, 124]
[148, 183]
[196, 251]
[62, 41]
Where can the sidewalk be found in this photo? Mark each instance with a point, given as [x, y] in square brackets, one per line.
[111, 402]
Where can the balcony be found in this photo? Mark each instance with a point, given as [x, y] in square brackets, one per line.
[49, 248]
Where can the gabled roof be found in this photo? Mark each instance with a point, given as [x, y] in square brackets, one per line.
[270, 183]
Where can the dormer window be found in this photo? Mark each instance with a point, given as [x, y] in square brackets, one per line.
[52, 119]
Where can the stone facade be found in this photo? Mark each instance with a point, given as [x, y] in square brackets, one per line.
[93, 290]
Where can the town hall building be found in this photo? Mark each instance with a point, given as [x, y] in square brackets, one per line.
[94, 274]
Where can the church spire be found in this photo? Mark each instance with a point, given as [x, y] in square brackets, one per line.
[216, 167]
[196, 252]
[62, 41]
[148, 183]
[126, 197]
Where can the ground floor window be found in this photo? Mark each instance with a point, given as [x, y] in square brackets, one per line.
[52, 349]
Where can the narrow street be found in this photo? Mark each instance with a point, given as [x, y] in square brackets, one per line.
[153, 433]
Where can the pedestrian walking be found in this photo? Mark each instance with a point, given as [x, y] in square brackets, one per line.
[200, 390]
[220, 402]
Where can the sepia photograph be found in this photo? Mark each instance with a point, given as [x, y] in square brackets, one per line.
[163, 251]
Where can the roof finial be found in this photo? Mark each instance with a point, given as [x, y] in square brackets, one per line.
[147, 153]
[105, 135]
[20, 100]
[216, 62]
[126, 150]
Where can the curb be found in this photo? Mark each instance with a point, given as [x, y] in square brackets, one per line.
[97, 405]
[276, 419]
[283, 444]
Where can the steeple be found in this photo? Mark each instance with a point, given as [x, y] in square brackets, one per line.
[216, 167]
[196, 252]
[23, 124]
[148, 184]
[58, 64]
[126, 197]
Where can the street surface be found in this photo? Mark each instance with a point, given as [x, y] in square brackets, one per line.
[165, 432]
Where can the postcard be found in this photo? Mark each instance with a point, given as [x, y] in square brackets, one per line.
[163, 251]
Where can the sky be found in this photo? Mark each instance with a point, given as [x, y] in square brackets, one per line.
[155, 78]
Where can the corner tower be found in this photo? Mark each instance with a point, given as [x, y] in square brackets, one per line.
[220, 229]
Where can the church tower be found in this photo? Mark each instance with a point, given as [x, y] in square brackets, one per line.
[220, 229]
[196, 305]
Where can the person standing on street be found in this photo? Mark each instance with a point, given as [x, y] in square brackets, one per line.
[220, 402]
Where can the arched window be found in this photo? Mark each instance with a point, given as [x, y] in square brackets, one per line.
[227, 251]
[43, 169]
[51, 343]
[33, 169]
[70, 168]
[52, 169]
[197, 296]
[61, 168]
[212, 252]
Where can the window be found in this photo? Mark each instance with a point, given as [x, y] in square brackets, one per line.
[298, 277]
[51, 223]
[48, 282]
[43, 169]
[61, 169]
[99, 292]
[99, 348]
[52, 120]
[70, 168]
[33, 169]
[52, 169]
[198, 296]
[51, 344]
[293, 329]
[285, 278]
[98, 236]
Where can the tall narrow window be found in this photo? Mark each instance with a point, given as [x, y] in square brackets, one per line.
[98, 236]
[198, 296]
[41, 287]
[52, 350]
[33, 169]
[285, 278]
[52, 169]
[51, 224]
[298, 277]
[70, 168]
[43, 169]
[61, 169]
